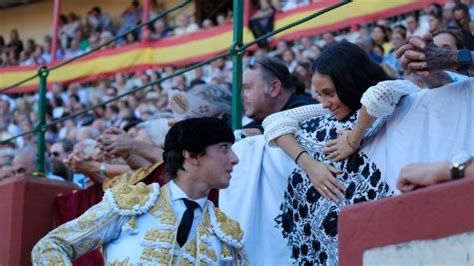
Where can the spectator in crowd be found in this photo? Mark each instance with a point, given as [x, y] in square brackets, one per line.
[261, 21]
[48, 47]
[70, 25]
[364, 42]
[448, 38]
[160, 30]
[184, 25]
[37, 56]
[448, 13]
[106, 36]
[463, 22]
[73, 51]
[462, 17]
[306, 42]
[268, 88]
[93, 41]
[207, 24]
[99, 21]
[24, 163]
[60, 150]
[398, 39]
[25, 59]
[58, 153]
[15, 44]
[288, 57]
[30, 46]
[413, 26]
[380, 37]
[328, 39]
[303, 71]
[222, 19]
[199, 77]
[280, 48]
[435, 19]
[130, 18]
[181, 83]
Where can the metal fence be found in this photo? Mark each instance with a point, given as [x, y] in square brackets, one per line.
[237, 50]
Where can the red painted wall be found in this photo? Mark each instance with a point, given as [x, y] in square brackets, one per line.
[26, 210]
[429, 213]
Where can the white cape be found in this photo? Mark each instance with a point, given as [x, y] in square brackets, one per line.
[427, 126]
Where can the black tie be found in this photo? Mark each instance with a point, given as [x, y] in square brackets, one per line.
[186, 222]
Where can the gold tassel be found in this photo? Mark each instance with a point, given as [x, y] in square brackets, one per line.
[133, 222]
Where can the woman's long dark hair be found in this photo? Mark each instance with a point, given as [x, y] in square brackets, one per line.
[351, 70]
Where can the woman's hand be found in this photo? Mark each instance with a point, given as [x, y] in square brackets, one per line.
[345, 145]
[322, 178]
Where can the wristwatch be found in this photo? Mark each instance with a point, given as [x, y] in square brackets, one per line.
[464, 59]
[459, 164]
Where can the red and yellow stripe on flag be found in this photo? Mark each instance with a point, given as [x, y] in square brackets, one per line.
[202, 45]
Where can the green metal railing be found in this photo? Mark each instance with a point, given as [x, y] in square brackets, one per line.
[237, 50]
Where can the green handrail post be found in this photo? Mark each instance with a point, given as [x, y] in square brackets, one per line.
[43, 73]
[237, 55]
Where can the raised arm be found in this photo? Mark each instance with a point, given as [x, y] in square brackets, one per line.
[286, 122]
[380, 100]
[138, 152]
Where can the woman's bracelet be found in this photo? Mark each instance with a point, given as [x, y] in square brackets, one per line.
[299, 155]
[359, 126]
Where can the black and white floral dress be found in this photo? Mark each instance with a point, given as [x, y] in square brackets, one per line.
[307, 220]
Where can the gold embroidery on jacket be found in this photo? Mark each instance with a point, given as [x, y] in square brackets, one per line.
[229, 226]
[127, 196]
[119, 263]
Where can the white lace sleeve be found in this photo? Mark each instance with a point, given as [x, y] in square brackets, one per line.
[381, 99]
[286, 122]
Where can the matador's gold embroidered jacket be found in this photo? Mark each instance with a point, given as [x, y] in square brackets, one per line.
[138, 227]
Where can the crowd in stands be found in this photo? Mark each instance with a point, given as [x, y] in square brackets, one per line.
[80, 33]
[116, 139]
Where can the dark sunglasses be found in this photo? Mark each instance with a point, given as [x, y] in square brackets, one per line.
[54, 154]
[253, 61]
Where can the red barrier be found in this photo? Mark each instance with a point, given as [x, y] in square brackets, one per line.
[429, 213]
[27, 211]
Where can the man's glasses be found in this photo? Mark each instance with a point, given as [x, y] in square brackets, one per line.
[54, 154]
[253, 61]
